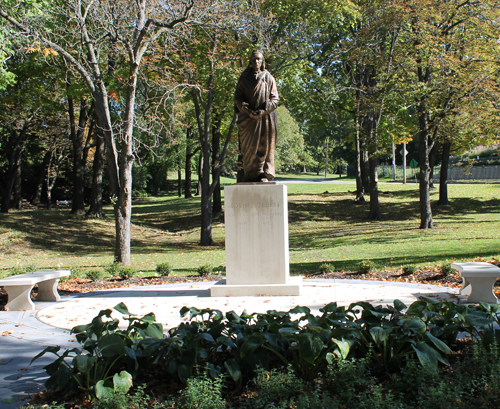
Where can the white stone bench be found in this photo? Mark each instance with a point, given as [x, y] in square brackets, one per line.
[478, 279]
[19, 288]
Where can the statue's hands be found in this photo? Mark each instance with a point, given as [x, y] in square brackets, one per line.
[245, 108]
[259, 113]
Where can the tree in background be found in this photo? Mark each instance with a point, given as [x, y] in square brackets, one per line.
[101, 34]
[449, 66]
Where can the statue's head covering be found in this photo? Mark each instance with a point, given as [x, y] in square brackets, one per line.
[254, 53]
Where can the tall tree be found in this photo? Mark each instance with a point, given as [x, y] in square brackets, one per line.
[447, 69]
[121, 32]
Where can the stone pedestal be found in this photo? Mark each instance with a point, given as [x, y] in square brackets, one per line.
[257, 258]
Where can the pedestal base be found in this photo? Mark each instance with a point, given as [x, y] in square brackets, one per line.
[221, 289]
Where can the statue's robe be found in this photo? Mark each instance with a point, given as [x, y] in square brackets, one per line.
[257, 137]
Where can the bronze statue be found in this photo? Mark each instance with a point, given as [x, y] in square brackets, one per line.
[255, 100]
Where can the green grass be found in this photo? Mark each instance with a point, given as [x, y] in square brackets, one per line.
[325, 224]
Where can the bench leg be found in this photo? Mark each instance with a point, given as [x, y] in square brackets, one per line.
[481, 289]
[47, 290]
[19, 298]
[466, 287]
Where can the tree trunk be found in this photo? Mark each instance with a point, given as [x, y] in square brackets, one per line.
[179, 180]
[424, 184]
[443, 177]
[360, 189]
[188, 163]
[217, 197]
[95, 209]
[200, 175]
[206, 198]
[37, 198]
[77, 135]
[374, 202]
[17, 189]
[432, 161]
[14, 162]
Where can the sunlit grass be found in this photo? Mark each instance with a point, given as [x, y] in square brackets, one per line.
[325, 224]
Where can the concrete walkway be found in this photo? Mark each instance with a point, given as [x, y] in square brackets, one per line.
[24, 334]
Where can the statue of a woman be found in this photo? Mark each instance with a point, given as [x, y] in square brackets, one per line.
[255, 100]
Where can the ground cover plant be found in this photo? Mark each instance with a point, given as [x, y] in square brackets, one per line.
[326, 227]
[363, 354]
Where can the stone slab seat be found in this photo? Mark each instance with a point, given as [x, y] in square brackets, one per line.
[478, 279]
[19, 288]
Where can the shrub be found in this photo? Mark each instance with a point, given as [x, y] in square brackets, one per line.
[326, 268]
[21, 270]
[446, 269]
[203, 393]
[117, 269]
[126, 272]
[94, 275]
[220, 269]
[204, 270]
[365, 266]
[408, 270]
[112, 269]
[164, 269]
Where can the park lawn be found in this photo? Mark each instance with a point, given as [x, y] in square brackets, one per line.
[325, 225]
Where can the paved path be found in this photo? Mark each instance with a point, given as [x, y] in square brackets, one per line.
[23, 334]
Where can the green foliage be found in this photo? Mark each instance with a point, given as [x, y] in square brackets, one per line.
[164, 269]
[326, 268]
[336, 359]
[22, 270]
[94, 275]
[409, 269]
[274, 387]
[202, 392]
[205, 270]
[108, 356]
[126, 272]
[118, 269]
[365, 266]
[446, 269]
[120, 399]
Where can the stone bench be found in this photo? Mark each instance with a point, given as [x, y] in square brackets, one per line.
[478, 279]
[19, 288]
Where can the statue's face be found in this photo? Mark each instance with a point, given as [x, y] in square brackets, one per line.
[256, 61]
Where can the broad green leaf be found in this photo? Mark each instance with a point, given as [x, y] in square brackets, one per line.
[84, 363]
[439, 344]
[122, 309]
[478, 319]
[111, 345]
[309, 346]
[399, 305]
[122, 382]
[331, 307]
[253, 342]
[103, 392]
[154, 330]
[380, 334]
[415, 325]
[53, 350]
[234, 370]
[300, 310]
[343, 347]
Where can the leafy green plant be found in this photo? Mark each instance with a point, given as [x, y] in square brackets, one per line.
[113, 269]
[408, 270]
[22, 270]
[326, 268]
[446, 269]
[164, 269]
[365, 266]
[94, 275]
[126, 272]
[203, 392]
[99, 366]
[204, 270]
